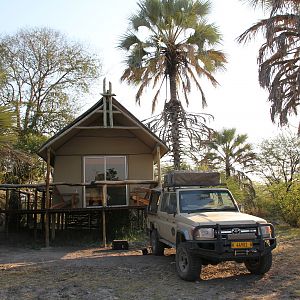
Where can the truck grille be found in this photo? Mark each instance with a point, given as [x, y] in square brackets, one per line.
[236, 233]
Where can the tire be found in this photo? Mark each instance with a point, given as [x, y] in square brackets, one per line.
[188, 266]
[261, 265]
[157, 246]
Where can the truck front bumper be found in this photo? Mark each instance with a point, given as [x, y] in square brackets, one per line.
[220, 248]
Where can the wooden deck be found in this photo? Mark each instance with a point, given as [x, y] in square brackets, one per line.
[31, 211]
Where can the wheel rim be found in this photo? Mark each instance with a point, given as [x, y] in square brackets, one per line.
[183, 262]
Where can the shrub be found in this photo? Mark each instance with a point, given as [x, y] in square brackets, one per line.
[287, 202]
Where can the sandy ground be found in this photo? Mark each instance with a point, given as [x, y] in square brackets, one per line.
[98, 273]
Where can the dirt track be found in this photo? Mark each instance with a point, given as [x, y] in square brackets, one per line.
[97, 273]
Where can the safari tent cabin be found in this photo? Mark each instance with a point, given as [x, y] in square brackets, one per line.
[108, 143]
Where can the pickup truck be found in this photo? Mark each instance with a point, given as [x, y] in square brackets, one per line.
[202, 221]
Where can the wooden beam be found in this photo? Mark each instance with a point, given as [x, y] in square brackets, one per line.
[158, 156]
[7, 194]
[104, 113]
[102, 182]
[53, 223]
[28, 207]
[122, 182]
[35, 215]
[100, 111]
[104, 204]
[111, 119]
[68, 210]
[47, 197]
[105, 127]
[104, 102]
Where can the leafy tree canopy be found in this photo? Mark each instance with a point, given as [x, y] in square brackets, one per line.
[7, 125]
[279, 160]
[44, 74]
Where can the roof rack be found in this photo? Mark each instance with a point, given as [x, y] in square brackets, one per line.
[191, 178]
[173, 188]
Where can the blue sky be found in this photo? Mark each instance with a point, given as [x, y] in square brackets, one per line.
[238, 101]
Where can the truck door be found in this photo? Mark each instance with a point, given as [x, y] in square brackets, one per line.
[167, 214]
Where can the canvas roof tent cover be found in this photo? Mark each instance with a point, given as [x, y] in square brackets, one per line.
[122, 119]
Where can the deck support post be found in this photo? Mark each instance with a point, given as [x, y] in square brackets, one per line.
[104, 204]
[53, 224]
[58, 221]
[47, 197]
[62, 221]
[28, 208]
[35, 215]
[7, 194]
[158, 156]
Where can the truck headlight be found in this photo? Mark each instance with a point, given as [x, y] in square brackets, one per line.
[204, 233]
[266, 231]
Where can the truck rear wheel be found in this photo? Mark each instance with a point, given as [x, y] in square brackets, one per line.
[157, 246]
[188, 265]
[261, 265]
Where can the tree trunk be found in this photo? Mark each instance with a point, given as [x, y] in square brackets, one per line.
[227, 168]
[174, 107]
[18, 116]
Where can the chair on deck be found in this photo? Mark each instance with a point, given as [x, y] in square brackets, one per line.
[64, 200]
[140, 196]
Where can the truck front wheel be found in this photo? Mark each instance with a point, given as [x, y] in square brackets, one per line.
[188, 265]
[157, 246]
[261, 265]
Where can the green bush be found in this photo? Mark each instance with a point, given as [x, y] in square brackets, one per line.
[286, 203]
[243, 193]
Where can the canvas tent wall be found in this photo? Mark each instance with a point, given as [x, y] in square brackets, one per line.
[109, 135]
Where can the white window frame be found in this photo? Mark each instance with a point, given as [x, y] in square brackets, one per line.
[104, 158]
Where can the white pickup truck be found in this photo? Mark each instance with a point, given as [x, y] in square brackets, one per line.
[203, 223]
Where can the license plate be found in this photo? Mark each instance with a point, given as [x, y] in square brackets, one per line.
[241, 245]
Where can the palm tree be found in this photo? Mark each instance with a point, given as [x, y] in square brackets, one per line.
[229, 152]
[279, 56]
[176, 45]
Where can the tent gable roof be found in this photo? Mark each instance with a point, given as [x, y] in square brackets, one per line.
[111, 116]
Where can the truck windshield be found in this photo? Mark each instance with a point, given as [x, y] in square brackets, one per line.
[191, 201]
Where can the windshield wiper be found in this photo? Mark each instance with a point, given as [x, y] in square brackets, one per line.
[211, 209]
[205, 209]
[229, 208]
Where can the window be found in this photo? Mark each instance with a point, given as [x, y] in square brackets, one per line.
[164, 202]
[98, 168]
[206, 200]
[169, 203]
[172, 203]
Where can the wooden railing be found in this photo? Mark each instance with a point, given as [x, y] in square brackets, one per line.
[43, 207]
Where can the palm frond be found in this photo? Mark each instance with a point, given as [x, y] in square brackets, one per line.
[128, 40]
[203, 99]
[251, 32]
